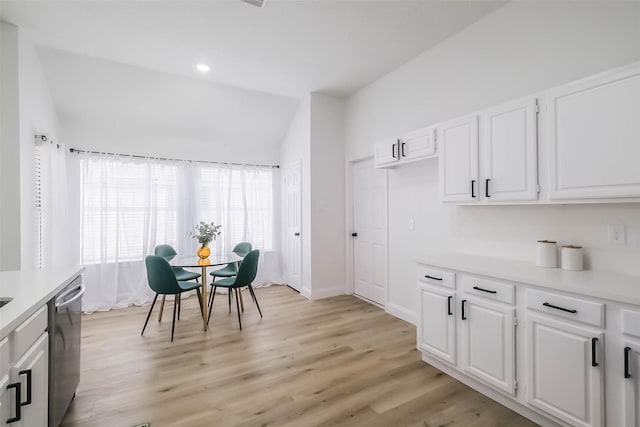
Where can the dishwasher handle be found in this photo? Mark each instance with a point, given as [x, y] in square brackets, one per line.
[80, 292]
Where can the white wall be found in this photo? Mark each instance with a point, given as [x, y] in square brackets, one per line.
[327, 196]
[315, 138]
[296, 146]
[37, 116]
[521, 48]
[9, 150]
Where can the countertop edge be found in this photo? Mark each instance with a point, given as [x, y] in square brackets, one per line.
[448, 261]
[5, 330]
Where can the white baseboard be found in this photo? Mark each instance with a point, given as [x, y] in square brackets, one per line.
[401, 312]
[322, 293]
[306, 292]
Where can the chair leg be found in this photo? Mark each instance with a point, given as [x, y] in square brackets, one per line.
[161, 309]
[200, 302]
[255, 299]
[237, 308]
[229, 300]
[149, 315]
[176, 300]
[179, 305]
[213, 293]
[210, 295]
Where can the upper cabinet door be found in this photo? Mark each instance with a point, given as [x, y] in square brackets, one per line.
[594, 137]
[386, 152]
[458, 141]
[419, 144]
[509, 151]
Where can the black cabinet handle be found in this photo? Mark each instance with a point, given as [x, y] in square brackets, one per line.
[393, 151]
[546, 304]
[486, 187]
[594, 343]
[484, 290]
[473, 187]
[464, 302]
[27, 372]
[402, 149]
[432, 278]
[354, 234]
[627, 351]
[18, 406]
[296, 234]
[449, 305]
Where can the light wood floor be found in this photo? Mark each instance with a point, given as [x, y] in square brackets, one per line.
[332, 362]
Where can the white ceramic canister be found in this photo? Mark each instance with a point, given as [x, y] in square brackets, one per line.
[572, 258]
[547, 254]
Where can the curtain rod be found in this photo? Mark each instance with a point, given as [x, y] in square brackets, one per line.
[135, 156]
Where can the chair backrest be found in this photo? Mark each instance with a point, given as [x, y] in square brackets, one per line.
[248, 269]
[242, 249]
[165, 251]
[160, 275]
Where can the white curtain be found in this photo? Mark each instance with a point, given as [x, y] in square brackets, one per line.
[52, 215]
[128, 206]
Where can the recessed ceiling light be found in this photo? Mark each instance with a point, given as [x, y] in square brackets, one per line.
[203, 67]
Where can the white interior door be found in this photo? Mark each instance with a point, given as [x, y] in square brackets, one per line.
[370, 227]
[292, 218]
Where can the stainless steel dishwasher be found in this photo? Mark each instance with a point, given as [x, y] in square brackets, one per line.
[65, 317]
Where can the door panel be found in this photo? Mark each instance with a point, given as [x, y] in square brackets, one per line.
[560, 377]
[370, 224]
[632, 383]
[386, 152]
[488, 338]
[436, 328]
[418, 144]
[458, 141]
[292, 217]
[509, 147]
[593, 134]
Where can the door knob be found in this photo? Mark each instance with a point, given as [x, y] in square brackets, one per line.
[354, 234]
[296, 234]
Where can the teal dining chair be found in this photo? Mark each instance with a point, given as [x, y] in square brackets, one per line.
[245, 277]
[230, 270]
[167, 252]
[163, 282]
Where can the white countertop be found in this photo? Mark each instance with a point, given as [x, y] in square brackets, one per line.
[30, 290]
[606, 285]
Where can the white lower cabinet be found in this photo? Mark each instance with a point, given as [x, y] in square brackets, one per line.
[31, 372]
[488, 343]
[631, 374]
[436, 329]
[565, 370]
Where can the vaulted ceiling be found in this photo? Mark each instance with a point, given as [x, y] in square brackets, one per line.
[262, 59]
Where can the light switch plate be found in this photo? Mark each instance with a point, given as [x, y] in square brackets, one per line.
[617, 234]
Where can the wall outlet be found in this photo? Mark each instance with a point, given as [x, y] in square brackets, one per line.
[617, 234]
[412, 224]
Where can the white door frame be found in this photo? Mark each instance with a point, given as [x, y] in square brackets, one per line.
[349, 227]
[297, 164]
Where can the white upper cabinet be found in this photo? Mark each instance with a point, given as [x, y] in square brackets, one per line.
[594, 137]
[386, 153]
[458, 141]
[509, 152]
[419, 144]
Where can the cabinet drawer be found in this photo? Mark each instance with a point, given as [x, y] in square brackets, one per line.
[591, 313]
[490, 289]
[4, 356]
[436, 277]
[631, 322]
[28, 332]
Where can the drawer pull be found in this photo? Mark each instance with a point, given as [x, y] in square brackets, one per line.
[484, 290]
[573, 311]
[27, 372]
[18, 407]
[627, 351]
[449, 305]
[464, 303]
[594, 343]
[433, 278]
[473, 186]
